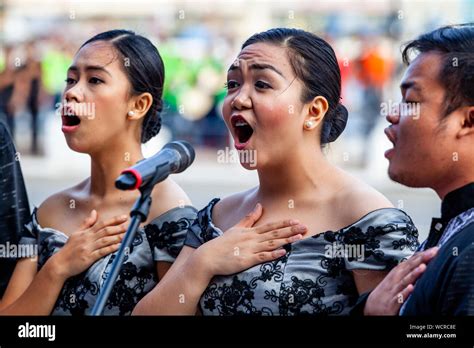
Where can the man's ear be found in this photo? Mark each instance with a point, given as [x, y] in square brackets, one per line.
[316, 110]
[467, 122]
[140, 105]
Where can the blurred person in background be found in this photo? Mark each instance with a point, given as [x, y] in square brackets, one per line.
[373, 69]
[7, 86]
[33, 66]
[21, 89]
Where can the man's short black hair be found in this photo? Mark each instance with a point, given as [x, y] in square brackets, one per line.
[456, 45]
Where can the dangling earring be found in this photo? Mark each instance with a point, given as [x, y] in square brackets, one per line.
[131, 113]
[308, 124]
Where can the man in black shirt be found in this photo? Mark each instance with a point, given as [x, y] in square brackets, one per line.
[14, 207]
[447, 285]
[433, 142]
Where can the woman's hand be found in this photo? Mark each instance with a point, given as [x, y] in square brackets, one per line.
[393, 291]
[244, 246]
[239, 248]
[93, 241]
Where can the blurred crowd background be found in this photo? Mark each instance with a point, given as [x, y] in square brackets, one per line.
[198, 40]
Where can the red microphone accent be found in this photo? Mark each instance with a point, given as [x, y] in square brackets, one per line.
[137, 176]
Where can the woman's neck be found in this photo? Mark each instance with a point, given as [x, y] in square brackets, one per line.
[302, 173]
[106, 166]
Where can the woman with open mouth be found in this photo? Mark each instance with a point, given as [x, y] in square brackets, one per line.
[283, 103]
[112, 104]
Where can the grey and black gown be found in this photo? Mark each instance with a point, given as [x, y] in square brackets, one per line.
[315, 276]
[161, 240]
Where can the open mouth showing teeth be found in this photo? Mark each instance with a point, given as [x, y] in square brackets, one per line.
[71, 120]
[242, 129]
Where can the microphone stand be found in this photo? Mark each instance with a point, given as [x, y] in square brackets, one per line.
[139, 214]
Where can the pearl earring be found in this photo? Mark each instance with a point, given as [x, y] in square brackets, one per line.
[131, 113]
[308, 124]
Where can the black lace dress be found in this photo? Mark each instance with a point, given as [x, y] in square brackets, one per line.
[315, 276]
[160, 240]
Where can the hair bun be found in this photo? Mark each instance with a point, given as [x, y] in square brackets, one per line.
[152, 122]
[336, 124]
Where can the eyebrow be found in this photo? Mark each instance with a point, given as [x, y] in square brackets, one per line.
[410, 84]
[90, 67]
[258, 66]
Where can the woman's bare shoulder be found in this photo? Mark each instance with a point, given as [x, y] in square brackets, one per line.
[358, 198]
[56, 207]
[231, 206]
[166, 196]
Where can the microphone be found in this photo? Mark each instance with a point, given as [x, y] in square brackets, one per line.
[175, 157]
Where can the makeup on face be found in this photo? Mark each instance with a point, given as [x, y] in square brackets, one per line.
[258, 74]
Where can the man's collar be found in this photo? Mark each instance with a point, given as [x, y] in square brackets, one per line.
[457, 201]
[454, 203]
